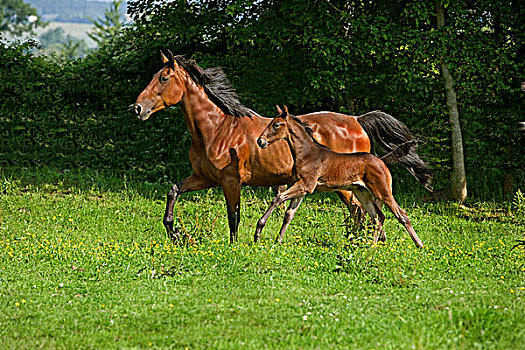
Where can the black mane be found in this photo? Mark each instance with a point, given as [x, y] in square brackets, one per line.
[216, 86]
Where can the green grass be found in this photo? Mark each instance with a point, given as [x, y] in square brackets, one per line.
[78, 30]
[85, 264]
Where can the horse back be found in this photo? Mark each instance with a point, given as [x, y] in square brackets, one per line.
[340, 132]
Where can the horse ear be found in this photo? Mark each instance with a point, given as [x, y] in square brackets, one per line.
[279, 110]
[163, 57]
[286, 114]
[173, 63]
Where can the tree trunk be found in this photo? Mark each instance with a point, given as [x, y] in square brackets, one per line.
[458, 186]
[349, 102]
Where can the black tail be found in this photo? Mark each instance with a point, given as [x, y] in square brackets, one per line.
[399, 152]
[390, 133]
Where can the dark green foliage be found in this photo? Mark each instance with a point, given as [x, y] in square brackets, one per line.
[310, 55]
[76, 115]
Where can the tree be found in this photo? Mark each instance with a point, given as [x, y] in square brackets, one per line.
[17, 17]
[108, 27]
[458, 179]
[65, 46]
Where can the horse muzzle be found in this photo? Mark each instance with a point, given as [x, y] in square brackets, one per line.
[140, 111]
[262, 142]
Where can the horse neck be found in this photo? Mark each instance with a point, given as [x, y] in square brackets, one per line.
[302, 146]
[202, 116]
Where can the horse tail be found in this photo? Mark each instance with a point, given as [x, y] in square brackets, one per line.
[390, 133]
[400, 151]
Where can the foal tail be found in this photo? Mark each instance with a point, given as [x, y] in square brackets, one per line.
[390, 133]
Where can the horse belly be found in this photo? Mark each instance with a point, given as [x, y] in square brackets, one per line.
[338, 186]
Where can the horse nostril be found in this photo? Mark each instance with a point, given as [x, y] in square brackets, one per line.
[262, 142]
[138, 108]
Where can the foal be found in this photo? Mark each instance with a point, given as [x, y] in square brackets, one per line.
[317, 167]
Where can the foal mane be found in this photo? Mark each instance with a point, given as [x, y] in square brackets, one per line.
[216, 86]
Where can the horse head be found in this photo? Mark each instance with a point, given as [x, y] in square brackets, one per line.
[276, 130]
[165, 89]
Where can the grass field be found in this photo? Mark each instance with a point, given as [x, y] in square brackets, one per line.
[85, 264]
[77, 30]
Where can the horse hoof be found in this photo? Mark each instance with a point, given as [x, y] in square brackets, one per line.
[174, 235]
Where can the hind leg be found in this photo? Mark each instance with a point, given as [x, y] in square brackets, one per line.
[367, 201]
[403, 219]
[379, 204]
[381, 219]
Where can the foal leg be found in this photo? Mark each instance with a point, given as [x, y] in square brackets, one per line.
[276, 201]
[299, 189]
[279, 189]
[403, 219]
[288, 216]
[191, 183]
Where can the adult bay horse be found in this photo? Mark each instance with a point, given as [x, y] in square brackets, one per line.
[223, 149]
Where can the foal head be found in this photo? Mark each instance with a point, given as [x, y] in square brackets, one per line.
[164, 90]
[276, 130]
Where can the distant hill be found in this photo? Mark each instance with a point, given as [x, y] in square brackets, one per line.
[78, 11]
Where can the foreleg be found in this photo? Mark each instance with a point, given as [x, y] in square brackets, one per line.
[299, 189]
[191, 183]
[232, 194]
[288, 216]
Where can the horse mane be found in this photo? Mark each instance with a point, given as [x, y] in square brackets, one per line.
[217, 87]
[309, 131]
